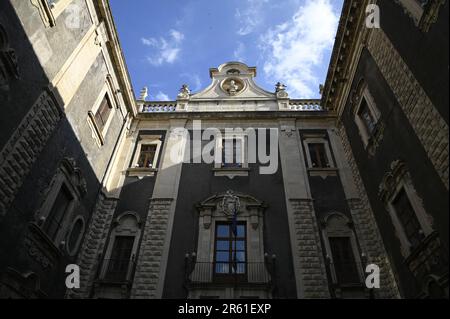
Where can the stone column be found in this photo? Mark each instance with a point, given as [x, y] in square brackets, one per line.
[309, 264]
[93, 245]
[154, 250]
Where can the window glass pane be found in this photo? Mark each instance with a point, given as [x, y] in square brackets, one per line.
[318, 155]
[75, 234]
[232, 152]
[120, 258]
[223, 245]
[222, 268]
[240, 231]
[102, 114]
[147, 155]
[223, 256]
[240, 256]
[366, 116]
[223, 231]
[343, 260]
[239, 268]
[239, 245]
[57, 213]
[408, 218]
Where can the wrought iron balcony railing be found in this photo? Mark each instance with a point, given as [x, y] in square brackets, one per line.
[230, 272]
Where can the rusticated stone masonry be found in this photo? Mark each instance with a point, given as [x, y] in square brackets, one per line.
[309, 250]
[148, 267]
[367, 230]
[25, 146]
[429, 125]
[93, 246]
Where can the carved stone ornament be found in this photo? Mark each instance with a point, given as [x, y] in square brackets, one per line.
[74, 175]
[185, 92]
[391, 179]
[230, 204]
[280, 90]
[233, 86]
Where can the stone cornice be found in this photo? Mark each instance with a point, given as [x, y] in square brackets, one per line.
[347, 37]
[123, 77]
[237, 115]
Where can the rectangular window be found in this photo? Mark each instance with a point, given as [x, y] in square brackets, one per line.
[120, 258]
[318, 155]
[232, 152]
[102, 114]
[367, 117]
[230, 249]
[147, 155]
[59, 209]
[408, 218]
[344, 260]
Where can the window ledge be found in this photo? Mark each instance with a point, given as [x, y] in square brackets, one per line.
[323, 172]
[141, 172]
[41, 248]
[231, 172]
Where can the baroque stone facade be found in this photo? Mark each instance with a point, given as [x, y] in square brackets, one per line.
[317, 192]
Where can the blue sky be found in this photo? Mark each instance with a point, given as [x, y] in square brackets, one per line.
[170, 42]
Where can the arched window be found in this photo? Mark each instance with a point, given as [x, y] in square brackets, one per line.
[120, 255]
[345, 265]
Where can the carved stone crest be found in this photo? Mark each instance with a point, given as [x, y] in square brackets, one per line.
[230, 204]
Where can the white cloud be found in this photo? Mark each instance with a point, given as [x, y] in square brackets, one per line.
[239, 52]
[295, 49]
[162, 96]
[251, 17]
[164, 50]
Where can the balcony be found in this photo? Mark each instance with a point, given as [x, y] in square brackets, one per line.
[114, 279]
[229, 273]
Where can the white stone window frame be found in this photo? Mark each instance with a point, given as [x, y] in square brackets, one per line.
[231, 172]
[363, 132]
[318, 139]
[60, 180]
[343, 232]
[146, 139]
[134, 231]
[97, 134]
[58, 7]
[49, 11]
[74, 250]
[405, 184]
[251, 213]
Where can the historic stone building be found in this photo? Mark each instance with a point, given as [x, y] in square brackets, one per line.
[230, 192]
